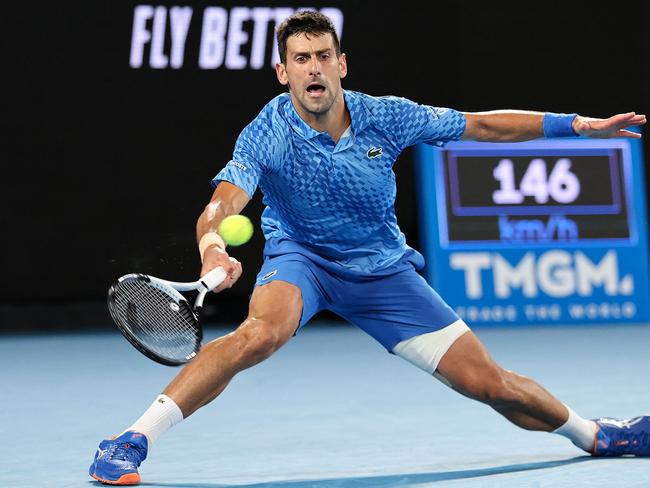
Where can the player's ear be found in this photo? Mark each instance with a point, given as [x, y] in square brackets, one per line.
[281, 73]
[343, 65]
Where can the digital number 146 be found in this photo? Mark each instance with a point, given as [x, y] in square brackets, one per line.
[561, 184]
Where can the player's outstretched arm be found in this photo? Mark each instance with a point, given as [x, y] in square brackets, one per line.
[519, 125]
[226, 200]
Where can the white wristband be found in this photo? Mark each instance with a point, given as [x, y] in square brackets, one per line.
[209, 239]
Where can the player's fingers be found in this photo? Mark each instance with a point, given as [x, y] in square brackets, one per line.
[237, 269]
[629, 133]
[229, 265]
[226, 283]
[619, 128]
[232, 279]
[636, 120]
[207, 267]
[610, 127]
[618, 118]
[627, 120]
[234, 270]
[613, 121]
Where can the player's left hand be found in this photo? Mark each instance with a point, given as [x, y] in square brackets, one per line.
[607, 128]
[236, 273]
[215, 256]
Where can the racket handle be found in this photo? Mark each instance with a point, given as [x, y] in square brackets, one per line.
[213, 278]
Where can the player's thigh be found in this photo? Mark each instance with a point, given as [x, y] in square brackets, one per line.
[276, 305]
[288, 291]
[395, 308]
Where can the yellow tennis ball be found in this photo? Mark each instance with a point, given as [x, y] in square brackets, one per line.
[236, 230]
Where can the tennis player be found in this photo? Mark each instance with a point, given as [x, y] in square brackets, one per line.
[323, 158]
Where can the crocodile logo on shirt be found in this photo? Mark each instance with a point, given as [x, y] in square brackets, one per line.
[374, 152]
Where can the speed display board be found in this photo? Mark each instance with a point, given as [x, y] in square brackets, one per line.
[546, 231]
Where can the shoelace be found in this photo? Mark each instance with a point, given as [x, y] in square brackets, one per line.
[124, 451]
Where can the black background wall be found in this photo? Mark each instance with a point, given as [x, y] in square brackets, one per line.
[106, 166]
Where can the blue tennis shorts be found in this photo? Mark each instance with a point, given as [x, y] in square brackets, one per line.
[392, 305]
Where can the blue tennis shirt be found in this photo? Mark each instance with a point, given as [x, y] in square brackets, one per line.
[337, 200]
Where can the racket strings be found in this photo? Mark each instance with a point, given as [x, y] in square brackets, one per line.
[156, 318]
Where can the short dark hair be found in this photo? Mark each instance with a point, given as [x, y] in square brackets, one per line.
[305, 22]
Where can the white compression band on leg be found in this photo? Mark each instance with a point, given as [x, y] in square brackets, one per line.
[161, 416]
[580, 431]
[425, 351]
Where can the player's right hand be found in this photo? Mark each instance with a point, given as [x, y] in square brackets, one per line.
[214, 257]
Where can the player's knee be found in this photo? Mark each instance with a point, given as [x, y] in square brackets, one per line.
[259, 340]
[259, 344]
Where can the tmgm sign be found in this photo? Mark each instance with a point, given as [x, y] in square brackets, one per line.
[547, 231]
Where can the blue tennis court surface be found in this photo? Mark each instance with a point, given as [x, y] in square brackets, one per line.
[330, 409]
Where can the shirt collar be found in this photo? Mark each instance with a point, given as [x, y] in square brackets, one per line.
[358, 115]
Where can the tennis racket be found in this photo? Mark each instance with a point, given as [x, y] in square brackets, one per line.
[153, 315]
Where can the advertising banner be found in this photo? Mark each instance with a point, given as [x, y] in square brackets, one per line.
[546, 231]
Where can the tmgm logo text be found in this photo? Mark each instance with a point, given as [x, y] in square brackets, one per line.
[556, 273]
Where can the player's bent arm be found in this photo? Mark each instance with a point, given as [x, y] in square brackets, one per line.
[226, 200]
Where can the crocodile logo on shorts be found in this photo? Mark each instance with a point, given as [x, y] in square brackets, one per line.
[269, 274]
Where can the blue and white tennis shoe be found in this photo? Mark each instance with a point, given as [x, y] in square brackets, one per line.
[622, 437]
[117, 460]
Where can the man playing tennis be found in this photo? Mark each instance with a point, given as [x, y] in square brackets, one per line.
[323, 159]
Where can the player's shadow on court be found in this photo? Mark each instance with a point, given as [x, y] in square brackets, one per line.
[385, 481]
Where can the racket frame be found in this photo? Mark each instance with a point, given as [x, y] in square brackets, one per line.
[207, 283]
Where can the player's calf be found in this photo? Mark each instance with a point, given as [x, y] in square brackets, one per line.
[459, 360]
[495, 387]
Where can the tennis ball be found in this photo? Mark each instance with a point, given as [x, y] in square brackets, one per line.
[236, 230]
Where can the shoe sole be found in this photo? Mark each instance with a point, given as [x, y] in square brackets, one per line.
[125, 479]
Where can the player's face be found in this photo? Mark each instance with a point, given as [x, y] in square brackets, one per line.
[313, 72]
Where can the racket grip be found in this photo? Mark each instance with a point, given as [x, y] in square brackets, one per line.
[213, 278]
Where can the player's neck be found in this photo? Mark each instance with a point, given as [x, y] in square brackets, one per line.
[334, 121]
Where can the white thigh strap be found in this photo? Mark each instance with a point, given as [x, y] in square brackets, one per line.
[425, 351]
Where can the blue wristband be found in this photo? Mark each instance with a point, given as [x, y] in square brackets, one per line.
[559, 125]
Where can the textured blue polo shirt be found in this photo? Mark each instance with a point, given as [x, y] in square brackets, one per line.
[337, 200]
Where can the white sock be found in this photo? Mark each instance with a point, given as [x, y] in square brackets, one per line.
[580, 431]
[161, 416]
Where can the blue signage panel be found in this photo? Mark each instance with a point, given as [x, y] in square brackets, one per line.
[544, 231]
